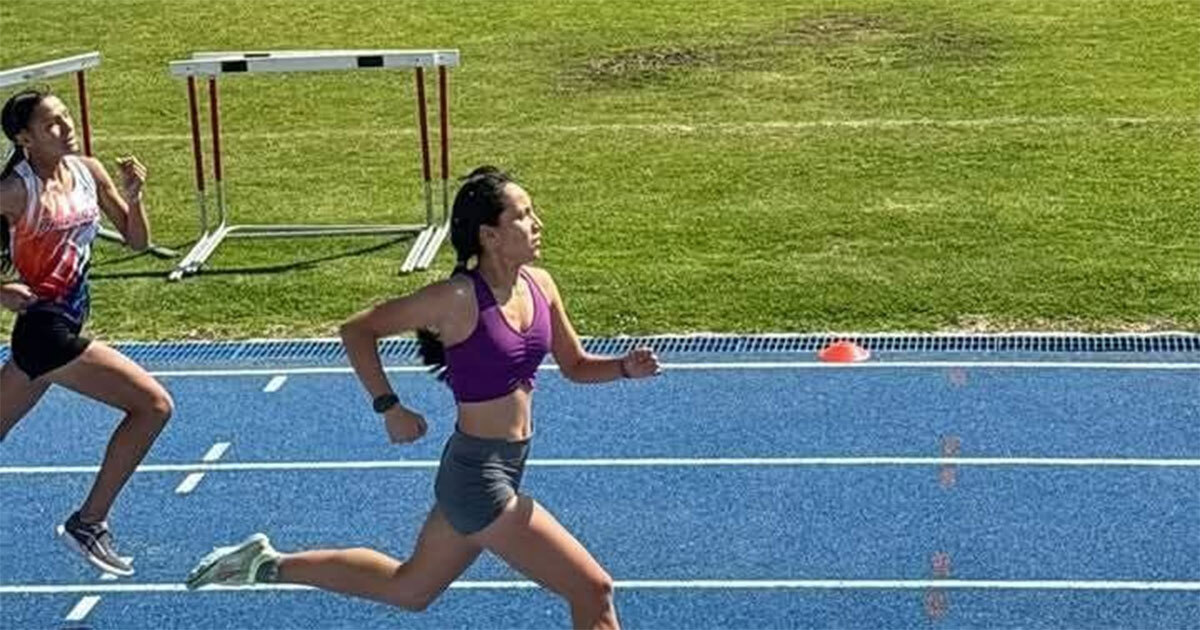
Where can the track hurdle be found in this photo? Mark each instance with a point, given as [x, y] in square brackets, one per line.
[79, 64]
[210, 65]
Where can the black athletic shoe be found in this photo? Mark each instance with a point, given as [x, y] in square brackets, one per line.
[94, 543]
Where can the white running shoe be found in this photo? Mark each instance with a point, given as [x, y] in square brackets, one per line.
[233, 566]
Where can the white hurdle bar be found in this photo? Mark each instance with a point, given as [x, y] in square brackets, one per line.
[210, 65]
[78, 64]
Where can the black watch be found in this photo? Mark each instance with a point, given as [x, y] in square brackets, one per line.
[384, 402]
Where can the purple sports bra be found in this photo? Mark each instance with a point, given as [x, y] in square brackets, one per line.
[496, 359]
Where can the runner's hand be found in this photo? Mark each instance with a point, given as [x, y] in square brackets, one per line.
[403, 425]
[133, 177]
[640, 363]
[16, 297]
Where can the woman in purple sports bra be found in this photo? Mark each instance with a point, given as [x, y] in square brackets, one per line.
[487, 328]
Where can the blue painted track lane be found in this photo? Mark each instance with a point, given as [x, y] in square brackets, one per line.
[702, 413]
[659, 522]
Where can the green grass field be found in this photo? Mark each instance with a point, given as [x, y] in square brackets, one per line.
[727, 165]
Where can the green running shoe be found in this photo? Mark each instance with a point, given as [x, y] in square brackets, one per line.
[233, 566]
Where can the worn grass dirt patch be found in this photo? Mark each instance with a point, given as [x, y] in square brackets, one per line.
[644, 64]
[835, 29]
[838, 41]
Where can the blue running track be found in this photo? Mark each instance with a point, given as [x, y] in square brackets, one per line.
[917, 490]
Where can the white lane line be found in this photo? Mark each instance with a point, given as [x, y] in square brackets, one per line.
[1044, 585]
[753, 365]
[216, 451]
[83, 607]
[644, 462]
[190, 482]
[691, 127]
[275, 383]
[868, 365]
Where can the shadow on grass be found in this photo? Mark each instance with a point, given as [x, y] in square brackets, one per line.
[130, 255]
[308, 263]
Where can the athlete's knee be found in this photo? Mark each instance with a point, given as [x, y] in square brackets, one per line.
[412, 602]
[412, 599]
[408, 591]
[596, 593]
[156, 408]
[163, 406]
[8, 420]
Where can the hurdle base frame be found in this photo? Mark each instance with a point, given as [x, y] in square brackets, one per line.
[420, 255]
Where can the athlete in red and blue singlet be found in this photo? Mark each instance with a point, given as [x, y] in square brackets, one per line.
[50, 204]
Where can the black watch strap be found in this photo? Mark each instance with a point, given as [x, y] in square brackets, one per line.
[384, 402]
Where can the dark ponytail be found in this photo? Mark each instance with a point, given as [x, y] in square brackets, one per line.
[14, 118]
[6, 262]
[480, 201]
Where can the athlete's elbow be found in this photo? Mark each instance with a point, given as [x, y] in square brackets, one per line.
[354, 330]
[574, 371]
[348, 330]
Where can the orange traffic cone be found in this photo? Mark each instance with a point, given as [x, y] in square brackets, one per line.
[843, 352]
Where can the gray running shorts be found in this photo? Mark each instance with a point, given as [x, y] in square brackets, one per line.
[476, 479]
